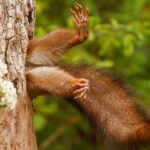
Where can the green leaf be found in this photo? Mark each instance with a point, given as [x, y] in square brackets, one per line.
[128, 42]
[39, 121]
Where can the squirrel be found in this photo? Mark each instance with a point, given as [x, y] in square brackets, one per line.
[107, 104]
[44, 76]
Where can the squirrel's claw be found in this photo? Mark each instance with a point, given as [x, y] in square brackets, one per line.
[83, 88]
[80, 15]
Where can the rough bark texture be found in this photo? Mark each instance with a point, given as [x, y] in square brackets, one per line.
[16, 27]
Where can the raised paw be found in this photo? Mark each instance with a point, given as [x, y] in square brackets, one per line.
[82, 88]
[81, 20]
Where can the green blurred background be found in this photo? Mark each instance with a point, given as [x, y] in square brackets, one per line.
[119, 40]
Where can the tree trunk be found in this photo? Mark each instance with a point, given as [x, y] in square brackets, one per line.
[16, 27]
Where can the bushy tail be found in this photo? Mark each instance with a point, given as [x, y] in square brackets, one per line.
[142, 135]
[111, 107]
[137, 138]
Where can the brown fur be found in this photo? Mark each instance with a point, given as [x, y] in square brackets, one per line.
[113, 111]
[50, 80]
[108, 105]
[46, 51]
[51, 47]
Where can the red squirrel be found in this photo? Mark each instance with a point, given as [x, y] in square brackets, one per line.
[43, 74]
[108, 105]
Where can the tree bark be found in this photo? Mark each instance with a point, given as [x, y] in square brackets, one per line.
[16, 27]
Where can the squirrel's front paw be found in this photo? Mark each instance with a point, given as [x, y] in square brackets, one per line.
[83, 88]
[81, 20]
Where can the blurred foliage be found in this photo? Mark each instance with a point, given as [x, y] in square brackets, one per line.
[119, 40]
